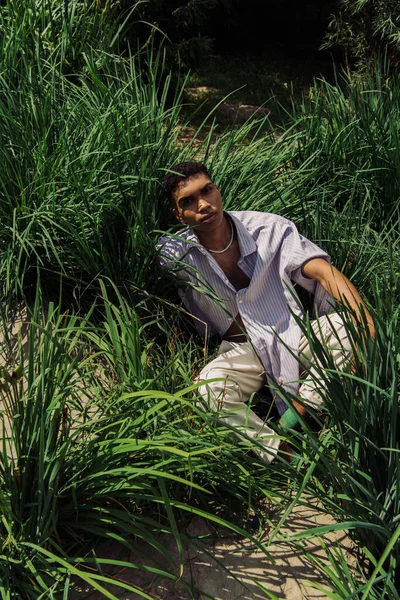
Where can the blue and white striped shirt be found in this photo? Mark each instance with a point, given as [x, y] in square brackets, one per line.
[272, 253]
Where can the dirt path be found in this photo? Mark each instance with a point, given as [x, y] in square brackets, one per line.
[227, 568]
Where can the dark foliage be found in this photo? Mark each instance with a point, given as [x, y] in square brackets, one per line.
[364, 29]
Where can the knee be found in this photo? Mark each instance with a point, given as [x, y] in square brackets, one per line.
[337, 327]
[219, 393]
[335, 321]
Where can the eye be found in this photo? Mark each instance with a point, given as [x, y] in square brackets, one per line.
[184, 202]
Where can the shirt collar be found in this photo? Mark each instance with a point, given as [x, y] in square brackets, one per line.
[246, 243]
[191, 236]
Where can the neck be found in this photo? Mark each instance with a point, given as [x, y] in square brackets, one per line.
[217, 239]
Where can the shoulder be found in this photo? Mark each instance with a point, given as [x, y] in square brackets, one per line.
[173, 242]
[253, 218]
[256, 222]
[174, 247]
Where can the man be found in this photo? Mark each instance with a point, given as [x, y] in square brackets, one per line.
[239, 268]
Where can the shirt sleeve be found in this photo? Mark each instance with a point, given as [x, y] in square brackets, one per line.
[165, 254]
[170, 258]
[299, 251]
[200, 321]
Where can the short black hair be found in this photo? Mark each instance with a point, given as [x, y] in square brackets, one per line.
[179, 173]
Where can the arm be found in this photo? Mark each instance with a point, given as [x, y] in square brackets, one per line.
[339, 287]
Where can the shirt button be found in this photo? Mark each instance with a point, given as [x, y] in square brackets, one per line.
[240, 301]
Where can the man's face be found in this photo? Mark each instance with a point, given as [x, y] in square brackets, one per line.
[198, 203]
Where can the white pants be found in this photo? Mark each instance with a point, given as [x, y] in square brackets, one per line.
[243, 374]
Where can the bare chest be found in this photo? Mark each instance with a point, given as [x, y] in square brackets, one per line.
[229, 264]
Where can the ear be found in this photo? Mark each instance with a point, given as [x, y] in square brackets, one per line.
[177, 215]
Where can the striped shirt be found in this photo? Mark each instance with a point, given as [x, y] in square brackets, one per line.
[272, 253]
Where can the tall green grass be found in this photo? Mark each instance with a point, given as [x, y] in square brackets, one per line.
[100, 435]
[100, 439]
[52, 35]
[95, 447]
[353, 464]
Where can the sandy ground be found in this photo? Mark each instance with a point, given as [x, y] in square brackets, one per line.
[228, 568]
[12, 334]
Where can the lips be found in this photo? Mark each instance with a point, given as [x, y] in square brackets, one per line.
[209, 218]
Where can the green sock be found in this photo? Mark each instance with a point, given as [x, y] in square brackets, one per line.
[289, 419]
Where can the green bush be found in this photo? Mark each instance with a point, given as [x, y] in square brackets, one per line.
[365, 28]
[183, 25]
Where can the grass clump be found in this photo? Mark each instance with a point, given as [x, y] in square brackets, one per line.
[85, 459]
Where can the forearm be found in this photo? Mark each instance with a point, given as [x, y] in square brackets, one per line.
[342, 290]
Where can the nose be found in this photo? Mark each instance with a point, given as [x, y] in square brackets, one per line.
[203, 205]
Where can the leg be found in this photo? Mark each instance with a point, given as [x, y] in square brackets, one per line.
[242, 374]
[331, 332]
